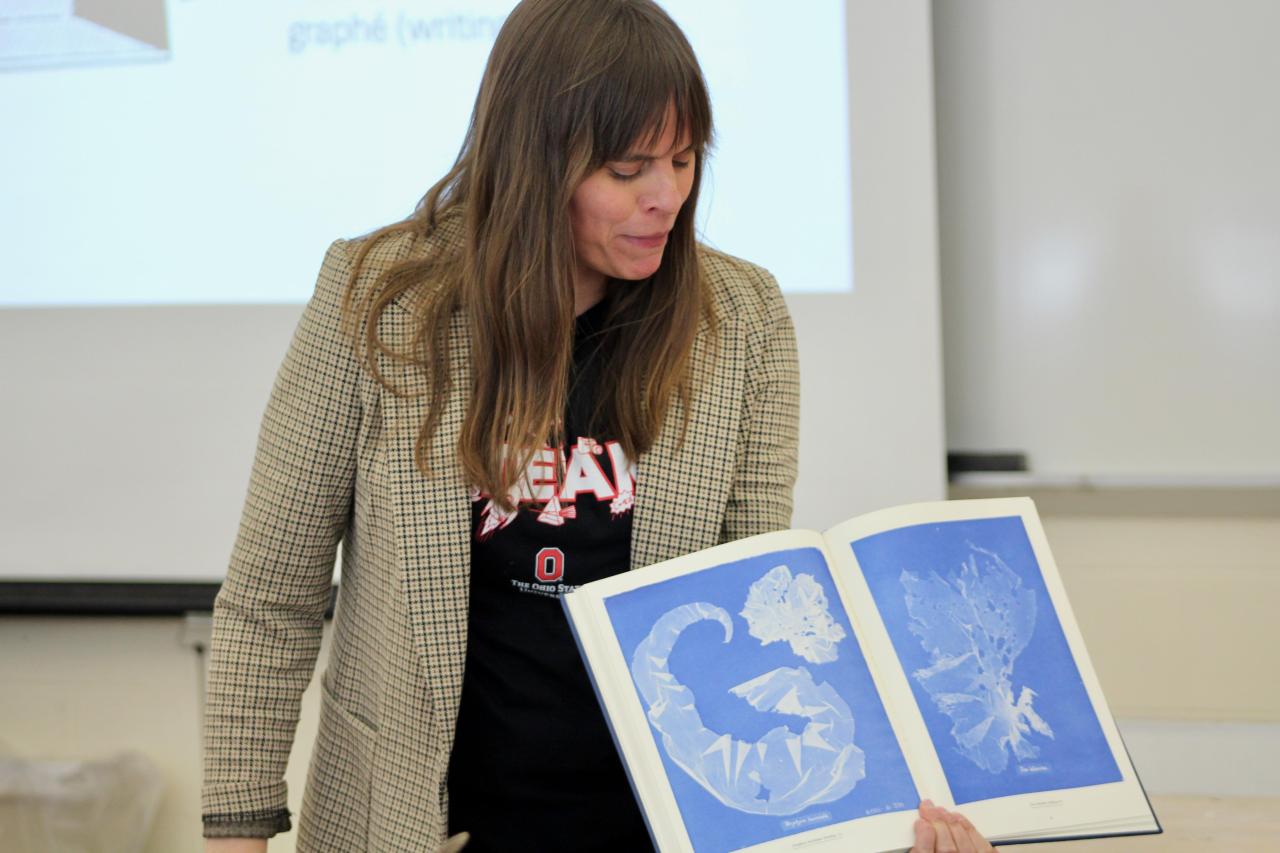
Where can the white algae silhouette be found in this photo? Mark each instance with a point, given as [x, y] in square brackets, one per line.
[974, 625]
[793, 610]
[780, 774]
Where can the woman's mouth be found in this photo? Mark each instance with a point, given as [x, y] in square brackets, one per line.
[647, 241]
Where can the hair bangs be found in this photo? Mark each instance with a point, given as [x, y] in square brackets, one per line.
[653, 79]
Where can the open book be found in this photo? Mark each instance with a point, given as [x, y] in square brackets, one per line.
[805, 691]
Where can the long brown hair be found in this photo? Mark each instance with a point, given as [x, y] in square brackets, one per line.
[569, 86]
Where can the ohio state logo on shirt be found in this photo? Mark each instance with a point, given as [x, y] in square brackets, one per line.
[548, 565]
[555, 502]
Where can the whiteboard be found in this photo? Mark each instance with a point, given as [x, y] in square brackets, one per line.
[1109, 203]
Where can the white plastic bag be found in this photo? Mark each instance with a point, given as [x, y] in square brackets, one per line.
[105, 806]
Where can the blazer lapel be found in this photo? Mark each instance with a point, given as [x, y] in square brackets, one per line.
[681, 489]
[433, 521]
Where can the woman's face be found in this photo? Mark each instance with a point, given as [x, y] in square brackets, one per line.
[623, 212]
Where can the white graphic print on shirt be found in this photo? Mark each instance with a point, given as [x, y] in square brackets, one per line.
[556, 502]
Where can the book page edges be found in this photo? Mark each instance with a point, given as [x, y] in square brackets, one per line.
[1123, 802]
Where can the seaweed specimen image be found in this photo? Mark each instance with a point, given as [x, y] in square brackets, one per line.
[782, 772]
[974, 624]
[793, 610]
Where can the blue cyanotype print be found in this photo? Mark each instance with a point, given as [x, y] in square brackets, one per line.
[759, 700]
[971, 621]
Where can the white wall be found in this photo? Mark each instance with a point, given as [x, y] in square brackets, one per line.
[1110, 204]
[870, 362]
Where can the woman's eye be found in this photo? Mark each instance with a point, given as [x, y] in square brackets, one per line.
[634, 172]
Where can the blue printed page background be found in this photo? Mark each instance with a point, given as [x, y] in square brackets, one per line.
[780, 729]
[971, 621]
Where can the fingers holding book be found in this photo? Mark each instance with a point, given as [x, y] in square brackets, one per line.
[941, 831]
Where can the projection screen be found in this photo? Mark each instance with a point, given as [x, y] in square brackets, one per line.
[171, 173]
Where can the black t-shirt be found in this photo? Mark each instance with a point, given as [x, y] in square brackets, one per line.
[533, 765]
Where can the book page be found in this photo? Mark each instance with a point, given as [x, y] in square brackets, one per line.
[991, 669]
[742, 702]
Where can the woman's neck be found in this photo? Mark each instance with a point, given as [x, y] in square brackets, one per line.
[588, 290]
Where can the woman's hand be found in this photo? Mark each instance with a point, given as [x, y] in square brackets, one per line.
[454, 843]
[941, 831]
[235, 845]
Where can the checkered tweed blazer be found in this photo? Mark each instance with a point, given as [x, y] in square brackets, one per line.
[335, 464]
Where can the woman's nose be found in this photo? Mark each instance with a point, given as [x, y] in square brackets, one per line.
[664, 193]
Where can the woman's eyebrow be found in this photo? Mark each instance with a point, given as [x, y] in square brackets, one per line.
[644, 158]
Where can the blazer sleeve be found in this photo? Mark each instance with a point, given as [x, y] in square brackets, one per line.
[760, 497]
[269, 614]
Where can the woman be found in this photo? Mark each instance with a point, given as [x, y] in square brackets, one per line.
[538, 380]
